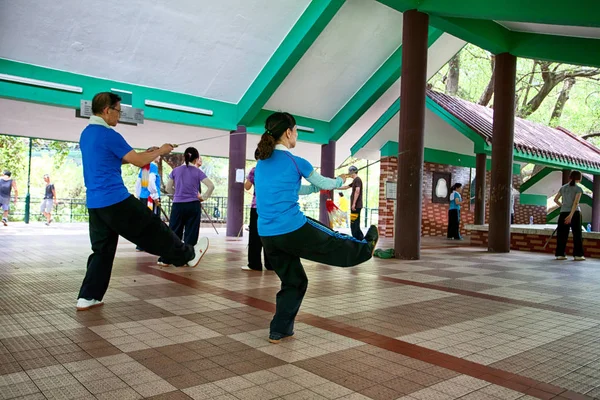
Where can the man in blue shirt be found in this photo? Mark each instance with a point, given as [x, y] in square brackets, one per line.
[113, 211]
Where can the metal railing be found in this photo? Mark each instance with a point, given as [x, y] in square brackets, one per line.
[75, 210]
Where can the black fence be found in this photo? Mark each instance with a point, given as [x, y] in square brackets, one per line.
[74, 210]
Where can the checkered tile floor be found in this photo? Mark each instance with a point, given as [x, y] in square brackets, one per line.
[460, 323]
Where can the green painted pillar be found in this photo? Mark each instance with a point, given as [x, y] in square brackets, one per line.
[28, 196]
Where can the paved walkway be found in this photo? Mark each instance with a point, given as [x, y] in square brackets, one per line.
[459, 323]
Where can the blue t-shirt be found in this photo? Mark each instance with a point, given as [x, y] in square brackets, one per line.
[453, 197]
[102, 150]
[277, 181]
[144, 192]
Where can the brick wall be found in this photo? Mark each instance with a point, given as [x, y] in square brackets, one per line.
[535, 243]
[435, 215]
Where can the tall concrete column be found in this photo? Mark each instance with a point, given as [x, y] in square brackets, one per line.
[502, 153]
[407, 226]
[327, 169]
[480, 167]
[565, 176]
[235, 190]
[596, 205]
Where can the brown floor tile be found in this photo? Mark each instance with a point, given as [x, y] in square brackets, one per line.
[103, 351]
[186, 380]
[38, 362]
[215, 374]
[177, 395]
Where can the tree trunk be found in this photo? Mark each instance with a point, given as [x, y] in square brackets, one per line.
[550, 81]
[561, 101]
[526, 96]
[453, 75]
[486, 97]
[174, 160]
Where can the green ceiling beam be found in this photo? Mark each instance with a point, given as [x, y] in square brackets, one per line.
[536, 178]
[479, 143]
[488, 35]
[555, 12]
[320, 135]
[372, 90]
[571, 50]
[376, 127]
[400, 5]
[224, 114]
[302, 35]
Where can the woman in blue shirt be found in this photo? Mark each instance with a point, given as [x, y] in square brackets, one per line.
[286, 233]
[454, 212]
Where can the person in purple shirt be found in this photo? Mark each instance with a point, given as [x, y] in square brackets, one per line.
[186, 211]
[255, 246]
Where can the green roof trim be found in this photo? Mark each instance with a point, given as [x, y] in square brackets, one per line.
[371, 91]
[320, 135]
[536, 178]
[533, 200]
[475, 21]
[376, 127]
[390, 149]
[533, 159]
[555, 12]
[224, 116]
[303, 34]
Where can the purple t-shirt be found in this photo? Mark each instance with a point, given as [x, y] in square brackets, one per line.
[187, 180]
[251, 179]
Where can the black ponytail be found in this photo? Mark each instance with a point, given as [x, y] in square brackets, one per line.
[190, 154]
[455, 186]
[574, 176]
[275, 126]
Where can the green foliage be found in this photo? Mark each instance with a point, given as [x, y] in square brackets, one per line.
[13, 155]
[581, 114]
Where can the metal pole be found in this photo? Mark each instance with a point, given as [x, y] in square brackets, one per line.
[28, 196]
[367, 197]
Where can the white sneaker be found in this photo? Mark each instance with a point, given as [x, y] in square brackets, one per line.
[247, 268]
[561, 258]
[582, 258]
[162, 264]
[199, 251]
[85, 304]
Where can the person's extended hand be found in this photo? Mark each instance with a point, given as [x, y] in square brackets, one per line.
[568, 219]
[166, 148]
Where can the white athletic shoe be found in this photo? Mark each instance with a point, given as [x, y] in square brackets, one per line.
[582, 258]
[561, 258]
[162, 264]
[85, 304]
[199, 251]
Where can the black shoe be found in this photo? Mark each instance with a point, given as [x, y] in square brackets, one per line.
[372, 237]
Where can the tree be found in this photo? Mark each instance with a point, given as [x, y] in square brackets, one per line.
[561, 101]
[552, 76]
[453, 75]
[13, 154]
[486, 96]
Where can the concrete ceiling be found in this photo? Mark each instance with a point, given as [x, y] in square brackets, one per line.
[212, 49]
[340, 61]
[438, 55]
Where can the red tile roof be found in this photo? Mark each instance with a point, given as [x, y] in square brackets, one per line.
[531, 138]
